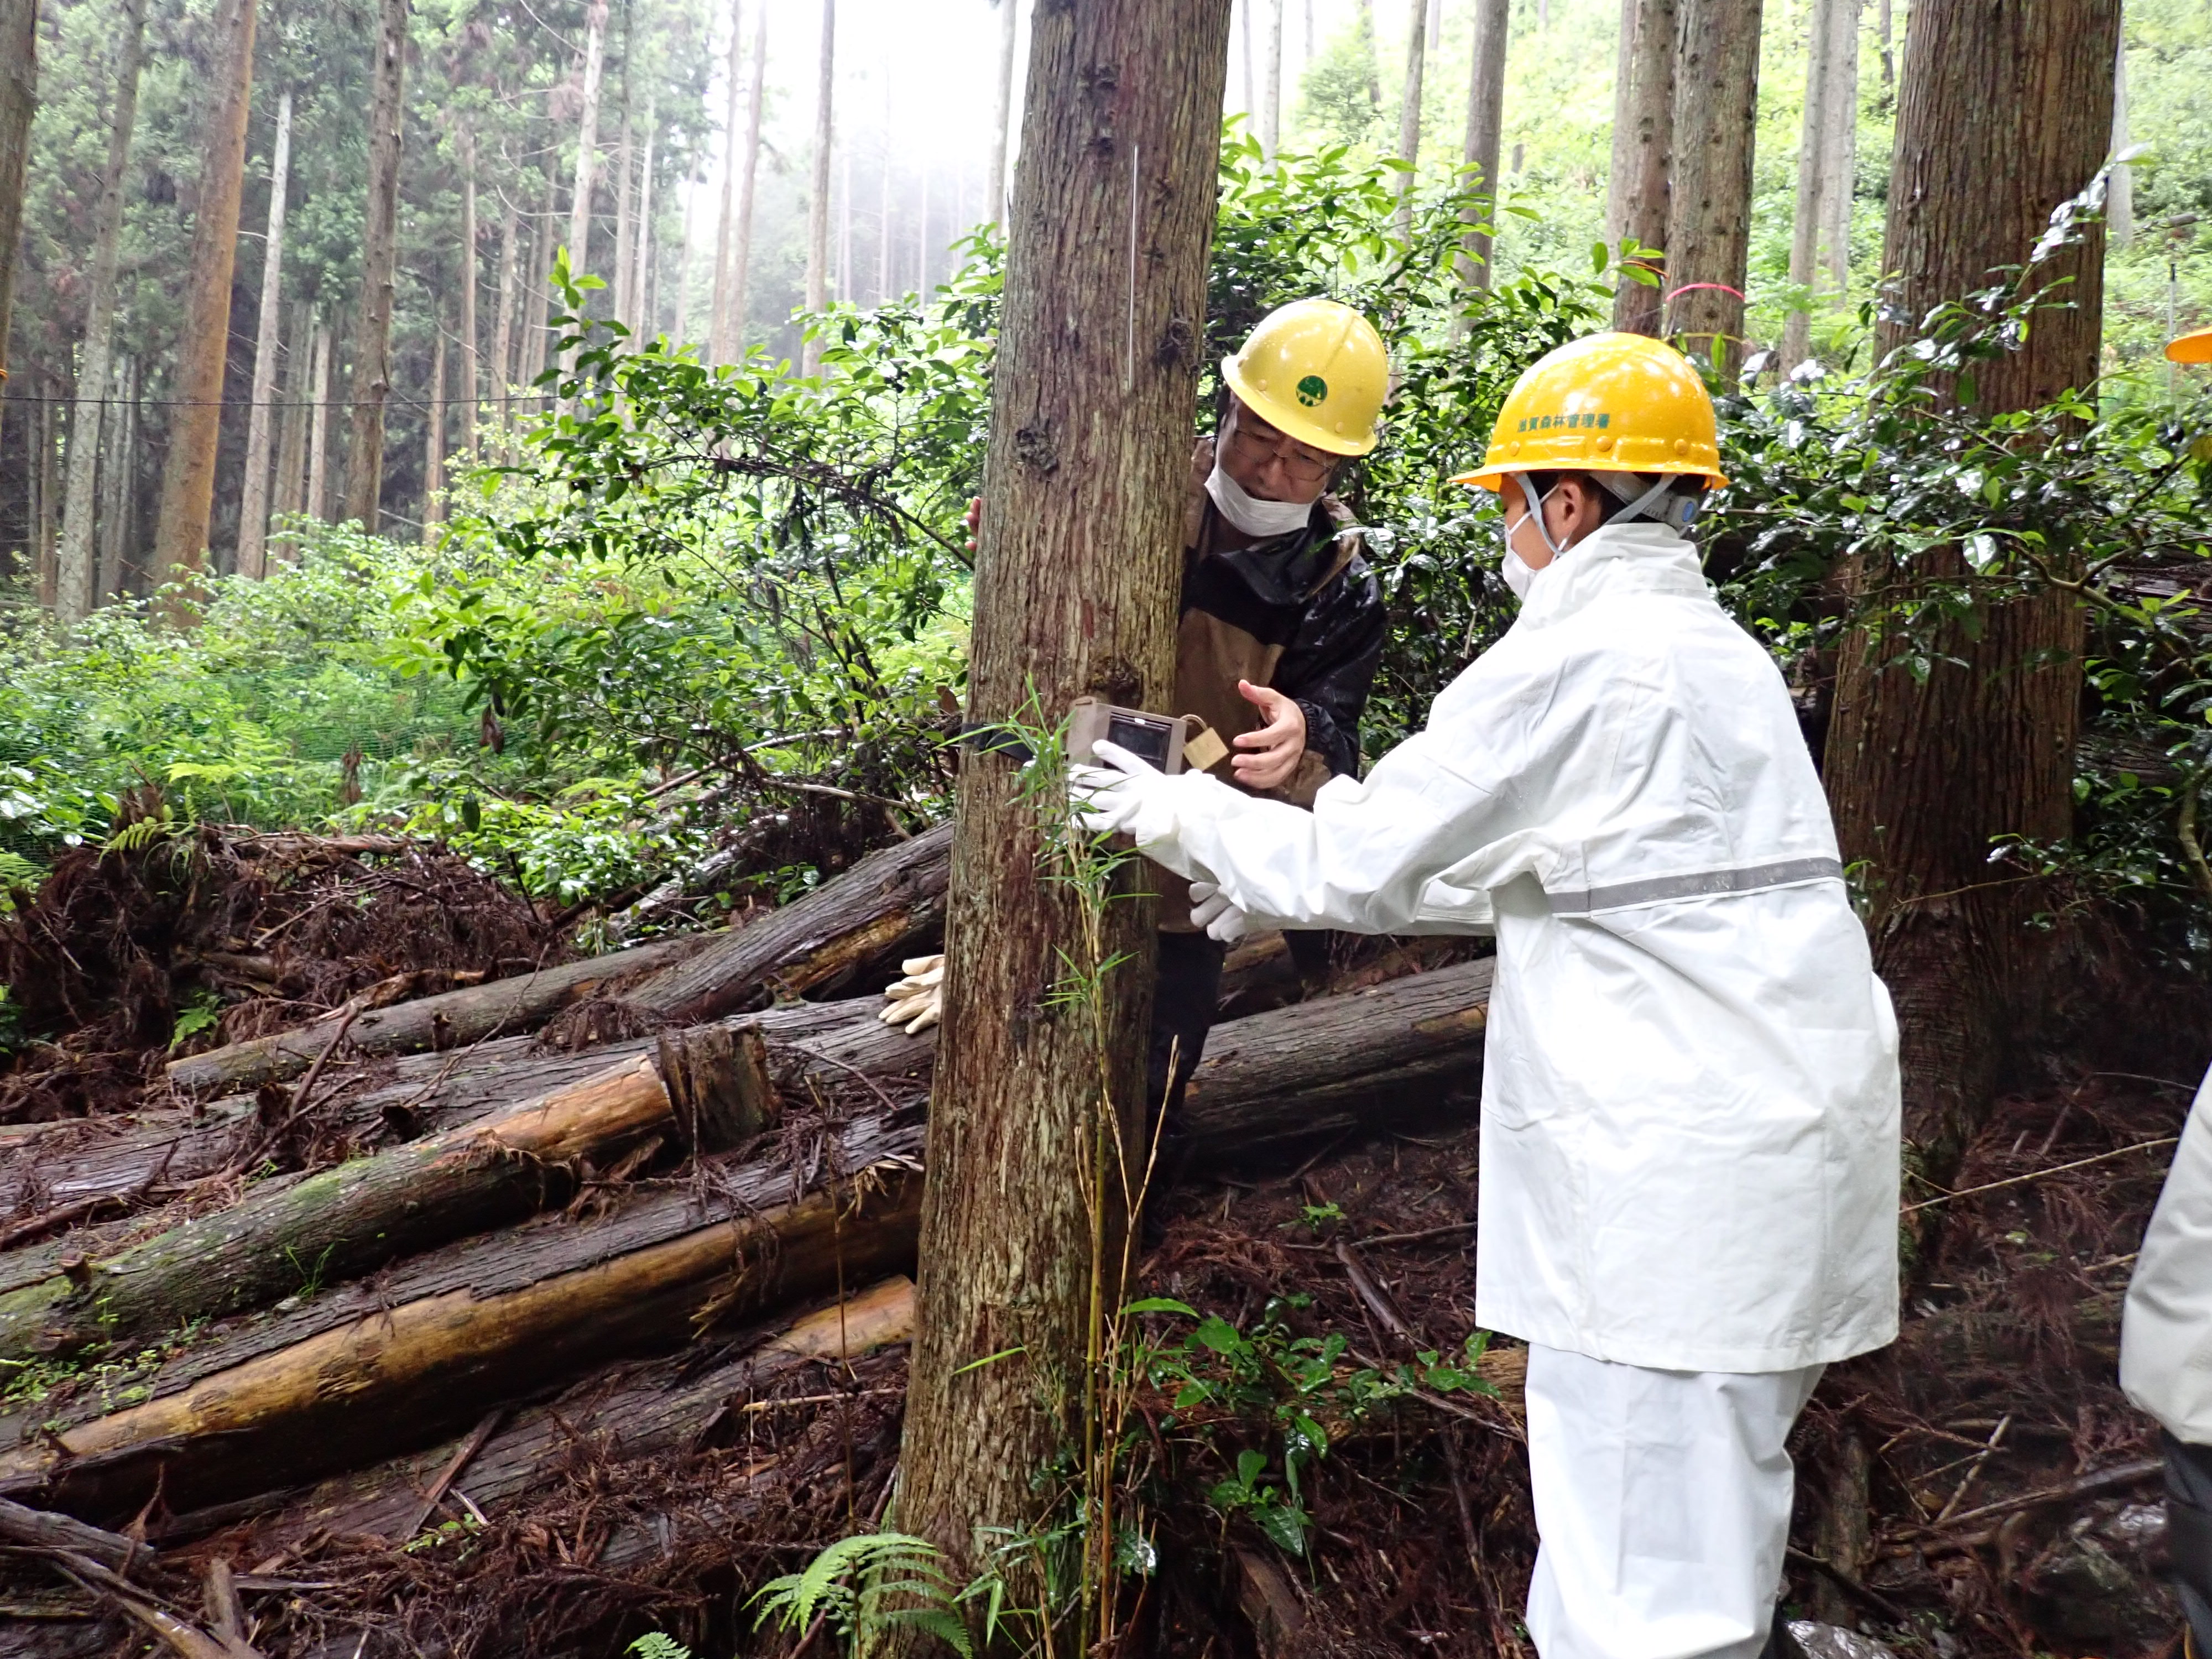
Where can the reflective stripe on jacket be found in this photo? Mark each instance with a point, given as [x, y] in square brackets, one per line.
[1690, 1134]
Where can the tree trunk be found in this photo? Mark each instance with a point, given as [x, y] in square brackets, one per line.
[817, 194]
[317, 505]
[1840, 148]
[1708, 206]
[1243, 10]
[1883, 28]
[625, 203]
[2005, 113]
[1076, 582]
[538, 300]
[291, 436]
[1002, 125]
[1486, 120]
[1812, 177]
[2120, 204]
[433, 436]
[19, 102]
[379, 263]
[77, 591]
[48, 389]
[587, 138]
[1640, 190]
[1271, 106]
[641, 313]
[680, 329]
[741, 258]
[883, 204]
[720, 332]
[261, 418]
[503, 377]
[1409, 116]
[180, 532]
[118, 470]
[471, 376]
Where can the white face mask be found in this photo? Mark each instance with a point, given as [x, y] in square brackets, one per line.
[1520, 576]
[1249, 513]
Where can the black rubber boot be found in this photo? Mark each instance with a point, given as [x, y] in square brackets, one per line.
[1780, 1643]
[2189, 1533]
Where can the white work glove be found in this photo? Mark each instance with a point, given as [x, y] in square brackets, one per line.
[916, 1002]
[1210, 908]
[1129, 796]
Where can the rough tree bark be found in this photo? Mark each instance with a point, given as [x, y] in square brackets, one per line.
[261, 418]
[817, 194]
[2004, 113]
[1076, 582]
[1002, 125]
[76, 590]
[1485, 121]
[180, 532]
[1409, 114]
[379, 264]
[19, 102]
[1709, 203]
[1637, 193]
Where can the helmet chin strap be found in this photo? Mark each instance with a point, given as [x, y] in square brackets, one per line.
[1640, 506]
[1536, 510]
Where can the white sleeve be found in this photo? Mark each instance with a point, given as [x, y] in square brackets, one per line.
[1361, 859]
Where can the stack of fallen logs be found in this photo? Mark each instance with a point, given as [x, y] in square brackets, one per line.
[524, 1246]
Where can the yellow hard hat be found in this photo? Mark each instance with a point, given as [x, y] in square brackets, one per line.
[1607, 402]
[1317, 370]
[2192, 348]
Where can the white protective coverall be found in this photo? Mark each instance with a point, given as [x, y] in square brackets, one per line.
[1690, 1115]
[2166, 1329]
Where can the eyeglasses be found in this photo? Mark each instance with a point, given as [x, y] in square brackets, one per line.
[1296, 461]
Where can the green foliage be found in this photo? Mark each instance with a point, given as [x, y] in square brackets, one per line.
[658, 1644]
[1283, 1388]
[866, 1585]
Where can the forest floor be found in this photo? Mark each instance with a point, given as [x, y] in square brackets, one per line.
[1980, 1490]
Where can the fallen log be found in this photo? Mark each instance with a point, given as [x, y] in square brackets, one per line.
[390, 1378]
[636, 1411]
[884, 904]
[347, 1221]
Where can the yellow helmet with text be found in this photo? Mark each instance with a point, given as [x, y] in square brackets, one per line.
[2195, 348]
[1317, 370]
[1607, 402]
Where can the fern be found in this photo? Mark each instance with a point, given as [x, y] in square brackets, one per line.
[139, 834]
[866, 1584]
[658, 1644]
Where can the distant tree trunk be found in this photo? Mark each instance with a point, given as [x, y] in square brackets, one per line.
[1271, 106]
[625, 227]
[884, 206]
[587, 147]
[1002, 125]
[1075, 593]
[503, 378]
[319, 430]
[1485, 121]
[261, 418]
[1883, 28]
[748, 181]
[1840, 148]
[922, 238]
[379, 262]
[538, 299]
[1811, 174]
[292, 437]
[1244, 8]
[76, 590]
[180, 532]
[1409, 115]
[845, 290]
[118, 470]
[639, 316]
[44, 388]
[818, 195]
[1373, 58]
[2120, 204]
[680, 330]
[471, 382]
[1709, 207]
[1639, 192]
[433, 438]
[2005, 112]
[722, 328]
[19, 102]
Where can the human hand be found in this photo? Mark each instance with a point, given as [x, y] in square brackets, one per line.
[916, 1002]
[975, 521]
[1127, 794]
[1272, 753]
[1210, 908]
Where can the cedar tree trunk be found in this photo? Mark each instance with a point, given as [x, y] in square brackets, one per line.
[742, 258]
[76, 590]
[2006, 108]
[379, 263]
[1486, 120]
[19, 102]
[180, 532]
[1708, 206]
[1076, 582]
[1642, 146]
[261, 418]
[818, 196]
[994, 176]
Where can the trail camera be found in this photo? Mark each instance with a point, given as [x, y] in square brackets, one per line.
[1157, 738]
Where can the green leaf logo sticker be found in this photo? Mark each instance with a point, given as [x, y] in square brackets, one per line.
[1313, 390]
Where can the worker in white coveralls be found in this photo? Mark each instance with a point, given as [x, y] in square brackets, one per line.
[2166, 1329]
[1690, 1134]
